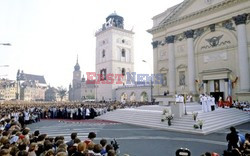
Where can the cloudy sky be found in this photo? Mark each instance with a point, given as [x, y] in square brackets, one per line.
[47, 35]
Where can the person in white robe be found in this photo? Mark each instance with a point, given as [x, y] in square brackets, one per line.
[204, 103]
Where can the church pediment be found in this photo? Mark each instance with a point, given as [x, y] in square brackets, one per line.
[219, 39]
[189, 7]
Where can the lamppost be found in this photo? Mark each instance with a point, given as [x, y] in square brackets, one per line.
[96, 86]
[4, 65]
[5, 44]
[151, 82]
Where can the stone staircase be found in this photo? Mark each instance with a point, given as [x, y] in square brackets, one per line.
[150, 116]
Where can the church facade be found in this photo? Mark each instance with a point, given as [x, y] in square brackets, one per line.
[203, 46]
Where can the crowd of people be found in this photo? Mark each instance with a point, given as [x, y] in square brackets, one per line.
[16, 139]
[243, 105]
[238, 144]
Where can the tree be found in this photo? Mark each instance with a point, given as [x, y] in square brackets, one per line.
[62, 92]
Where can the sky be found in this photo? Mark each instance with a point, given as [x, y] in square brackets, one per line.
[47, 35]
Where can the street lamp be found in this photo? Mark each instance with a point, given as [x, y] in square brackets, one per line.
[151, 82]
[96, 86]
[5, 44]
[4, 65]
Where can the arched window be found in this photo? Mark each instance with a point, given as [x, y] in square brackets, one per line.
[103, 53]
[103, 74]
[123, 71]
[123, 53]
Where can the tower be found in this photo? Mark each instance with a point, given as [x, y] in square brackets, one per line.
[114, 55]
[76, 87]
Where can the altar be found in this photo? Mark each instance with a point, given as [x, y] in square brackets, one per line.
[176, 104]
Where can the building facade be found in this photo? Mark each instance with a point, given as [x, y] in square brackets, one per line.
[8, 89]
[114, 57]
[203, 46]
[30, 87]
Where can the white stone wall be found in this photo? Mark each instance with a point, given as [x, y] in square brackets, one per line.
[113, 40]
[136, 90]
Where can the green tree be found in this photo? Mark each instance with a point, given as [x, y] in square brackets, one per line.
[62, 92]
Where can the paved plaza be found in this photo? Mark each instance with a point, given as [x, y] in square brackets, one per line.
[139, 141]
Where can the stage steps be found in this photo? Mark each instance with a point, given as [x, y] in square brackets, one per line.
[150, 116]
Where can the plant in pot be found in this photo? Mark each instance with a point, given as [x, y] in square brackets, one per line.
[169, 118]
[196, 126]
[200, 123]
[165, 113]
[195, 114]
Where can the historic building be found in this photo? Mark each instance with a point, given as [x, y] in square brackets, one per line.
[202, 46]
[30, 87]
[8, 89]
[75, 89]
[80, 90]
[114, 57]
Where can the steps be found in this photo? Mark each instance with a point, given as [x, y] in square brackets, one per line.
[150, 116]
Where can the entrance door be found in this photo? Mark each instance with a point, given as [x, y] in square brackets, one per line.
[217, 95]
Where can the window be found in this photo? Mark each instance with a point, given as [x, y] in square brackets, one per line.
[182, 78]
[164, 79]
[103, 53]
[123, 71]
[103, 74]
[123, 53]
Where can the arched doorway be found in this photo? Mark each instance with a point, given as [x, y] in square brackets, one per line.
[132, 97]
[124, 97]
[144, 97]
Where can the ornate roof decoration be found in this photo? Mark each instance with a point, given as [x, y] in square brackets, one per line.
[172, 19]
[176, 10]
[77, 66]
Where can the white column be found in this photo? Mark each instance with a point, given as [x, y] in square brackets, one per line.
[171, 64]
[205, 87]
[240, 21]
[191, 61]
[226, 89]
[156, 88]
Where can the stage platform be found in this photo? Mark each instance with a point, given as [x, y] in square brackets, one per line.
[150, 116]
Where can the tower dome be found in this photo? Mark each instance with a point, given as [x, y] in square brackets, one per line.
[116, 20]
[77, 67]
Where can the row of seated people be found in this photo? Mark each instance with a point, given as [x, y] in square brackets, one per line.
[243, 105]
